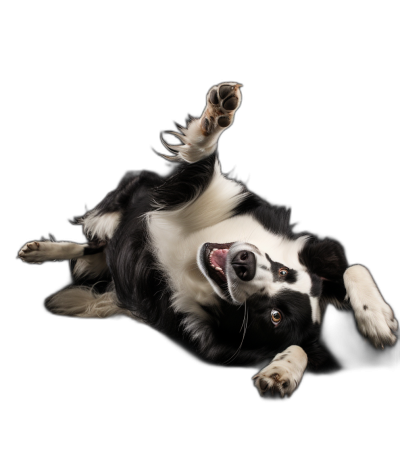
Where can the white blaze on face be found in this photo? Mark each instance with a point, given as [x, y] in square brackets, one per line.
[178, 236]
[264, 281]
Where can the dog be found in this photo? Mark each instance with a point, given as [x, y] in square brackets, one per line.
[219, 269]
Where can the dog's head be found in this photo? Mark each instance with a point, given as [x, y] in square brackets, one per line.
[240, 272]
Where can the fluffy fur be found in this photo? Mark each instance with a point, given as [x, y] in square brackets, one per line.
[199, 257]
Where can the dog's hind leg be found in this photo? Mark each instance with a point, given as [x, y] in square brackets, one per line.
[84, 302]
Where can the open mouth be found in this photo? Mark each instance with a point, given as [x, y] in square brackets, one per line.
[214, 257]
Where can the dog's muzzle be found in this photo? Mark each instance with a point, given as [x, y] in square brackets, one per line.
[244, 265]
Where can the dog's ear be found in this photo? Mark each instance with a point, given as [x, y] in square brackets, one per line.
[326, 262]
[325, 258]
[320, 359]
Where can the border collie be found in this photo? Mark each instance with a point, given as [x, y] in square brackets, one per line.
[201, 258]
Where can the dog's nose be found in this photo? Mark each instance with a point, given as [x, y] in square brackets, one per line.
[244, 264]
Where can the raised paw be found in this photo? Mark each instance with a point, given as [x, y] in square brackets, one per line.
[283, 374]
[222, 102]
[30, 253]
[374, 317]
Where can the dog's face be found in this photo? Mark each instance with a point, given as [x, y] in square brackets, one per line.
[240, 271]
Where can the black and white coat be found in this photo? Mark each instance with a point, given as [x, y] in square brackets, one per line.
[199, 257]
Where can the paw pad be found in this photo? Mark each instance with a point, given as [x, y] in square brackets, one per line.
[222, 101]
[224, 121]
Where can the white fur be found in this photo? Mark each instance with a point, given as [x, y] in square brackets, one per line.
[375, 318]
[315, 309]
[101, 226]
[39, 251]
[84, 302]
[284, 373]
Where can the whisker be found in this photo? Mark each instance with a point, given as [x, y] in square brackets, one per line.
[245, 321]
[244, 318]
[246, 239]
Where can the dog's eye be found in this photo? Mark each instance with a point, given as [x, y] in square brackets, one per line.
[283, 272]
[276, 316]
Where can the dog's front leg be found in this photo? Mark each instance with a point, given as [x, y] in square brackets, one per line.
[284, 373]
[200, 138]
[374, 317]
[197, 195]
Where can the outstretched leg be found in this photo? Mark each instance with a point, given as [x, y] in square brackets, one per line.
[374, 317]
[197, 194]
[99, 225]
[36, 252]
[284, 373]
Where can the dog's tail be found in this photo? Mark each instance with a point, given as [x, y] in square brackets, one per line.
[85, 302]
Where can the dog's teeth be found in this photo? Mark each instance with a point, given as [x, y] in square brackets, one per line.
[218, 268]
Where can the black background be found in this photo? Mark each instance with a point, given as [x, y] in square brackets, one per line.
[315, 132]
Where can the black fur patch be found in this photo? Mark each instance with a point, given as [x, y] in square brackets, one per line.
[133, 186]
[326, 258]
[276, 219]
[188, 182]
[94, 248]
[316, 285]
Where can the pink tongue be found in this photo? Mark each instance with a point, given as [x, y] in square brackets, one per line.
[218, 258]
